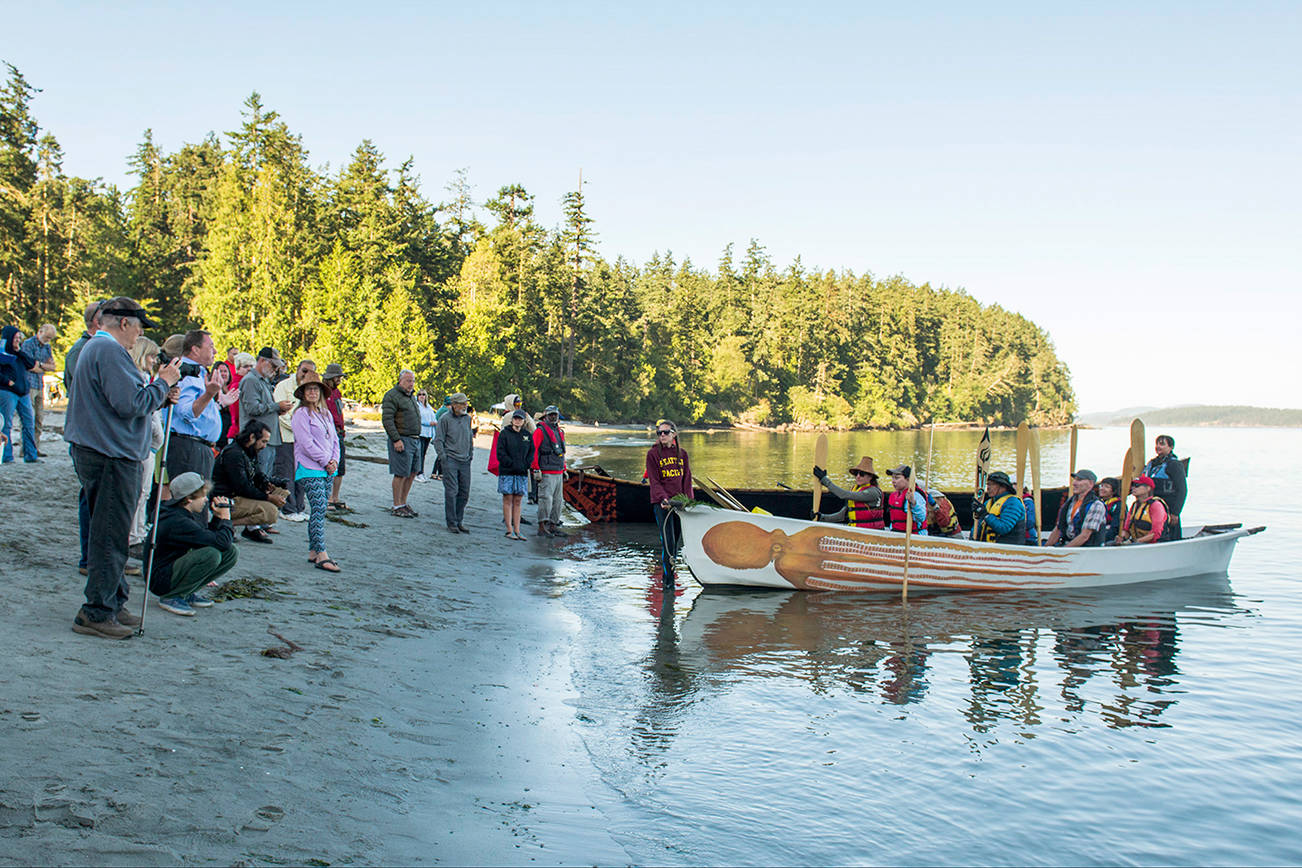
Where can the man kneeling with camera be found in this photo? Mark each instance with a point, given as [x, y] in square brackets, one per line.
[190, 553]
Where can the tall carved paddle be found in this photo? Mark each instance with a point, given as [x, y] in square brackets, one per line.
[820, 460]
[982, 471]
[1138, 443]
[931, 441]
[1035, 481]
[1072, 465]
[1023, 449]
[1127, 474]
[908, 532]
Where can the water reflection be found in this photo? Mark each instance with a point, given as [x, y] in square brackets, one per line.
[1112, 656]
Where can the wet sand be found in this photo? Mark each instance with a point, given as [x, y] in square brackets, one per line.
[426, 720]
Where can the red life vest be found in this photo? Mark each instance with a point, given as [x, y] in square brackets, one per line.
[859, 514]
[895, 510]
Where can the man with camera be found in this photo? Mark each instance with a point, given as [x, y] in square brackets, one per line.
[107, 426]
[189, 552]
[196, 419]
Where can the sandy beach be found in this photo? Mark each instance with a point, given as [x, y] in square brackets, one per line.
[424, 721]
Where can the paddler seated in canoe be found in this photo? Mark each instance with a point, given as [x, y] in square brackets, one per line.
[1081, 519]
[1001, 517]
[895, 517]
[1146, 520]
[863, 503]
[1109, 493]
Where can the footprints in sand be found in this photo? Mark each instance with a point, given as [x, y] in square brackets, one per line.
[263, 818]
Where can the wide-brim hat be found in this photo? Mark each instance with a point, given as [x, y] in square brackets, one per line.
[333, 370]
[865, 465]
[458, 398]
[309, 379]
[1002, 478]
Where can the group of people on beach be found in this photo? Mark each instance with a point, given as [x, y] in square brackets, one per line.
[1092, 515]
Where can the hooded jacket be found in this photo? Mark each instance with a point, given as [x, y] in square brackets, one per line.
[14, 366]
[668, 472]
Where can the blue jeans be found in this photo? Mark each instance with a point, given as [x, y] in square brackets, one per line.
[667, 524]
[9, 402]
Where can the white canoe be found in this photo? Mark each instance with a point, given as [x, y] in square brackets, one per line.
[723, 547]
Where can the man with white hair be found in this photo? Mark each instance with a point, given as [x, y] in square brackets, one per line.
[38, 347]
[454, 440]
[400, 415]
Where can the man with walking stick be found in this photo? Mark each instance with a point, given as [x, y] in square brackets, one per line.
[108, 428]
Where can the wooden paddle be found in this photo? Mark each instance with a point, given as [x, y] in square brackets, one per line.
[1071, 467]
[908, 534]
[982, 471]
[1035, 480]
[727, 495]
[931, 441]
[719, 499]
[1023, 448]
[1127, 470]
[1138, 443]
[820, 460]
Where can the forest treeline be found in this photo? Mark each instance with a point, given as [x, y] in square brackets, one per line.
[241, 235]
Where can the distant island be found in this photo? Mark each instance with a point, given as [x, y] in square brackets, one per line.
[1199, 415]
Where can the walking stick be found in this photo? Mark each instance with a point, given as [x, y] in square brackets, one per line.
[153, 528]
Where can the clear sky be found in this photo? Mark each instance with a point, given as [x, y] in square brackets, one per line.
[1126, 175]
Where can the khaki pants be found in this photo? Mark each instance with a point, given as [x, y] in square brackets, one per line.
[246, 512]
[38, 408]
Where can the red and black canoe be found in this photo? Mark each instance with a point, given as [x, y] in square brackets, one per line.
[602, 497]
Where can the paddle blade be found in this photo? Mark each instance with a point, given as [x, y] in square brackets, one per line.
[820, 460]
[1137, 446]
[982, 464]
[1023, 447]
[1127, 474]
[1035, 481]
[1072, 463]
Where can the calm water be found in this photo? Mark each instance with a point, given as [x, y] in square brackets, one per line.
[1158, 724]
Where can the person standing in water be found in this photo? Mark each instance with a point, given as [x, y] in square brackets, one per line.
[669, 474]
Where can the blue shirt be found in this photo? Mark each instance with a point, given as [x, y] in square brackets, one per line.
[40, 354]
[208, 425]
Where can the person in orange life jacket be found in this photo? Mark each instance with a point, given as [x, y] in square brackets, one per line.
[1082, 517]
[895, 517]
[863, 504]
[1146, 520]
[668, 474]
[1109, 490]
[1169, 482]
[942, 520]
[1001, 517]
[549, 465]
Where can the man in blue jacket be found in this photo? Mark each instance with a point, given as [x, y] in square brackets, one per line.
[108, 427]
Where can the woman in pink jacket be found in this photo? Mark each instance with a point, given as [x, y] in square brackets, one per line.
[316, 459]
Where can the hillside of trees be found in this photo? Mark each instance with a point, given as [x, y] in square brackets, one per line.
[241, 235]
[1205, 415]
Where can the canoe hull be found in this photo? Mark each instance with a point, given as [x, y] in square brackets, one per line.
[740, 549]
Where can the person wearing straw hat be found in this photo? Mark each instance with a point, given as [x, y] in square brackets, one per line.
[190, 552]
[1001, 517]
[863, 504]
[107, 425]
[454, 442]
[316, 458]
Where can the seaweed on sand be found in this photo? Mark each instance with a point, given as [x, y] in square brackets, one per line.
[256, 588]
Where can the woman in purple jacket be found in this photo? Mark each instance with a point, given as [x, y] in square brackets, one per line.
[316, 460]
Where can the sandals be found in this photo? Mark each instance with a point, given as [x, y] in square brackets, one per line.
[510, 535]
[331, 568]
[404, 512]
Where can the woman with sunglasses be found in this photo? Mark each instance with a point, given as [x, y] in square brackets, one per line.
[669, 474]
[863, 505]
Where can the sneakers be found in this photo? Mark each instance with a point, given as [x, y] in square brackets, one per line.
[175, 605]
[294, 516]
[256, 534]
[198, 601]
[106, 629]
[420, 477]
[405, 511]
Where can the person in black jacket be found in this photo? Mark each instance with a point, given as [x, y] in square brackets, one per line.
[1168, 474]
[514, 456]
[189, 553]
[256, 500]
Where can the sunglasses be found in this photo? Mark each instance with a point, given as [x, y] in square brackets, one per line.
[664, 432]
[861, 473]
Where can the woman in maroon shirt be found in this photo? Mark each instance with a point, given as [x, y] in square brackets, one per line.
[669, 474]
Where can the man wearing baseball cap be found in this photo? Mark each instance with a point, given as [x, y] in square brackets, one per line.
[454, 442]
[191, 552]
[549, 467]
[1148, 519]
[1082, 517]
[107, 426]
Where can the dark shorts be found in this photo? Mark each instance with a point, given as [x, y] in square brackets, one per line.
[342, 463]
[406, 462]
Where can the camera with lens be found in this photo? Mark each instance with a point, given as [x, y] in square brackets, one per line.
[188, 367]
